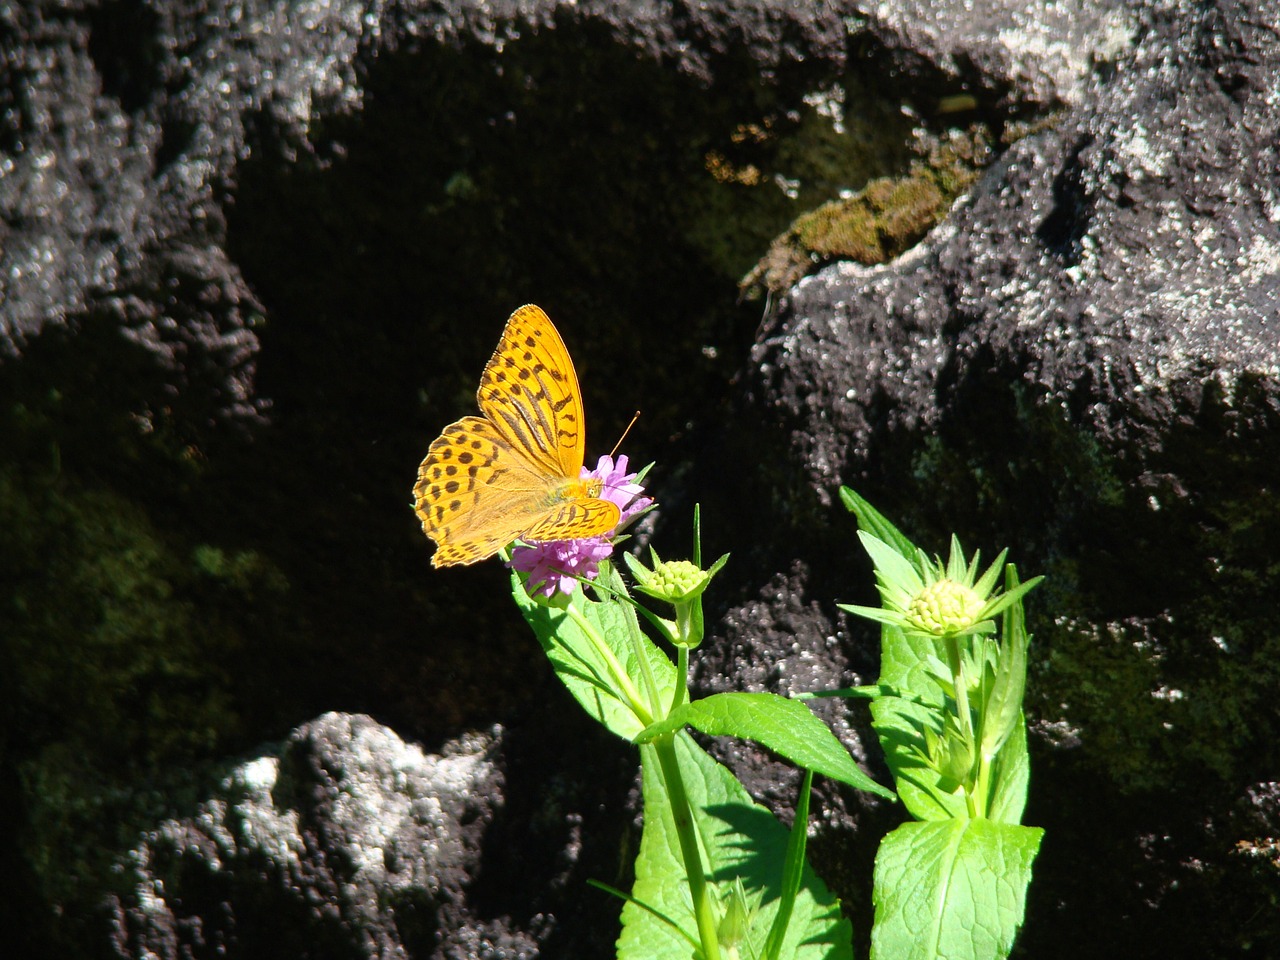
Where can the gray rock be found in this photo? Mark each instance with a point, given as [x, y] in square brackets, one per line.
[125, 127]
[1036, 53]
[346, 841]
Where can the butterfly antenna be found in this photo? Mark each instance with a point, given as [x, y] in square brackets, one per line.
[634, 417]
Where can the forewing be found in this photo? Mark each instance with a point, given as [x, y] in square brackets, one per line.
[475, 494]
[529, 390]
[575, 519]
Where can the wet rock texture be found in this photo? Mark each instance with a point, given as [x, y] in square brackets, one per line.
[223, 225]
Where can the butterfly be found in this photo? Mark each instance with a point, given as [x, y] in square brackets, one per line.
[514, 472]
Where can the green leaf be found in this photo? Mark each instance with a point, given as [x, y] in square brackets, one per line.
[1005, 600]
[901, 723]
[743, 841]
[871, 520]
[951, 888]
[982, 586]
[905, 661]
[785, 726]
[878, 614]
[894, 570]
[1010, 776]
[584, 656]
[907, 731]
[906, 723]
[1004, 705]
[792, 872]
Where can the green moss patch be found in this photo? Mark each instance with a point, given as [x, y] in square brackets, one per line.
[881, 221]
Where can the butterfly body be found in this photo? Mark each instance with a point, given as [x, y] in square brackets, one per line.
[514, 472]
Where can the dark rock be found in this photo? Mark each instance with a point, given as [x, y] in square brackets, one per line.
[252, 255]
[1082, 364]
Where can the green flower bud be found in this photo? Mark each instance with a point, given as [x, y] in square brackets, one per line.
[944, 607]
[951, 755]
[739, 912]
[676, 580]
[955, 760]
[680, 583]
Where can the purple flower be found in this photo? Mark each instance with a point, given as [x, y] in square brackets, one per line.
[552, 566]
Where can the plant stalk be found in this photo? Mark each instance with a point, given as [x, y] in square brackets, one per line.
[960, 684]
[703, 909]
[681, 695]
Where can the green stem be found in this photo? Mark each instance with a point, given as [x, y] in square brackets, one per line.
[983, 786]
[681, 695]
[638, 640]
[961, 686]
[704, 911]
[646, 668]
[982, 757]
[792, 872]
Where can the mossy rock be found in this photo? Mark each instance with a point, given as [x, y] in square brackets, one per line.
[883, 220]
[123, 649]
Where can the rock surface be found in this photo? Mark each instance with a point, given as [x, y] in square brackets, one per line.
[1082, 364]
[346, 842]
[245, 253]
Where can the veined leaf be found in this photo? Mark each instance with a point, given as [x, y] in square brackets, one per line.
[951, 888]
[785, 726]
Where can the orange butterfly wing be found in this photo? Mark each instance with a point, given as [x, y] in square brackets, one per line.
[515, 472]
